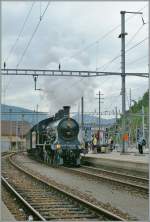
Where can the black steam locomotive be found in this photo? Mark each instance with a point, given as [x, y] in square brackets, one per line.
[55, 140]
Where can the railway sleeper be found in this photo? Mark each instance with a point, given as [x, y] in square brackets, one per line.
[58, 207]
[43, 202]
[64, 210]
[51, 205]
[70, 216]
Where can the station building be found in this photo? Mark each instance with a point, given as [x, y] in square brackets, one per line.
[13, 134]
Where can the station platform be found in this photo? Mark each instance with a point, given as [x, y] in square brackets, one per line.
[130, 160]
[5, 213]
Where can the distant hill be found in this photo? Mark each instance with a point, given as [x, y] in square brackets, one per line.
[94, 120]
[15, 113]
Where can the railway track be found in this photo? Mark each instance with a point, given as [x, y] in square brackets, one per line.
[120, 178]
[46, 201]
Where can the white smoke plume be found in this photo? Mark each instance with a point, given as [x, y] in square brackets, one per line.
[62, 91]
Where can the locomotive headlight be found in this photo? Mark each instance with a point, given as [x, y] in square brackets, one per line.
[58, 146]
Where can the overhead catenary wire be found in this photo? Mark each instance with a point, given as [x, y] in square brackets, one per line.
[32, 36]
[136, 60]
[109, 62]
[134, 36]
[15, 44]
[137, 44]
[97, 54]
[20, 33]
[103, 36]
[40, 8]
[119, 55]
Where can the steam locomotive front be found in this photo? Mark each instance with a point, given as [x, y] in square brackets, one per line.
[68, 130]
[67, 137]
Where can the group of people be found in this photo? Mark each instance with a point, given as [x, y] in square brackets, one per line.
[94, 144]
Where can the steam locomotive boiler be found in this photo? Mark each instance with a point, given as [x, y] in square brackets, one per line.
[55, 140]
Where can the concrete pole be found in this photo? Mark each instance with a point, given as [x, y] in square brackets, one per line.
[99, 117]
[123, 75]
[116, 111]
[130, 99]
[17, 134]
[82, 113]
[10, 120]
[130, 117]
[79, 113]
[143, 134]
[22, 131]
[37, 129]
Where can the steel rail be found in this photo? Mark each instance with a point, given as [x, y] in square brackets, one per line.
[97, 176]
[116, 173]
[65, 73]
[5, 153]
[99, 210]
[35, 212]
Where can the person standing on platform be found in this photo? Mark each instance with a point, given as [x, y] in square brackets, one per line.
[86, 146]
[4, 65]
[111, 143]
[59, 66]
[94, 142]
[141, 143]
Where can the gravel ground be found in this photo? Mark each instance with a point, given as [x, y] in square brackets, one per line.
[13, 205]
[130, 205]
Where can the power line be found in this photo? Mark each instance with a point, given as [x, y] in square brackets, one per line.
[118, 56]
[32, 36]
[17, 40]
[135, 34]
[138, 59]
[95, 42]
[137, 44]
[104, 36]
[109, 62]
[21, 31]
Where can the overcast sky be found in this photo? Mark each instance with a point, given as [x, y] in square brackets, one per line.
[72, 34]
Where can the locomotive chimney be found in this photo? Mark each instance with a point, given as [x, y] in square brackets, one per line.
[66, 111]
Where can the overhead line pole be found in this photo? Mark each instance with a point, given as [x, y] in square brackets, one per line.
[123, 74]
[122, 36]
[143, 127]
[82, 113]
[99, 119]
[130, 99]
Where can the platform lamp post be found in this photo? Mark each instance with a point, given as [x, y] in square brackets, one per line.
[123, 74]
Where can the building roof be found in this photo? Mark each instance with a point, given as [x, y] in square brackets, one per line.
[13, 128]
